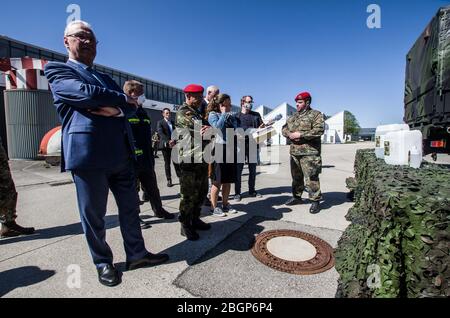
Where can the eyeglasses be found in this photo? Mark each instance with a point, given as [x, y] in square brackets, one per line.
[84, 37]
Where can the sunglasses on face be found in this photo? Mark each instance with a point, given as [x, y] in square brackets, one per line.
[84, 37]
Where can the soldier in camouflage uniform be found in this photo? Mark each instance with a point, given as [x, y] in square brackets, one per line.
[304, 129]
[194, 170]
[8, 201]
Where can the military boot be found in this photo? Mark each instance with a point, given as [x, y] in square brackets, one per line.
[12, 229]
[315, 207]
[187, 228]
[189, 232]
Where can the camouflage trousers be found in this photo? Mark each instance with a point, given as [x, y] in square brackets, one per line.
[305, 172]
[193, 189]
[8, 194]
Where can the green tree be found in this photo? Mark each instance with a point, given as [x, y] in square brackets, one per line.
[351, 125]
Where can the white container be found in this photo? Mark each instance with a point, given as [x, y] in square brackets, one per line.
[398, 146]
[415, 158]
[380, 135]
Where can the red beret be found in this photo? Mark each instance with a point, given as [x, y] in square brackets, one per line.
[193, 88]
[303, 96]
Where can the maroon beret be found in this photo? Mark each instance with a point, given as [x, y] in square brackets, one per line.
[303, 96]
[194, 88]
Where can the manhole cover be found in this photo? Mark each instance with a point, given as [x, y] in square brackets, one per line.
[293, 252]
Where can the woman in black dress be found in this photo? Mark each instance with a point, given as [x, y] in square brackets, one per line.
[222, 119]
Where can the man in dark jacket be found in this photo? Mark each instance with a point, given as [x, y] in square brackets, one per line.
[145, 162]
[249, 121]
[165, 128]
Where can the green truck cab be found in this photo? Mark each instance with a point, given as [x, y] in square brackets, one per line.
[427, 85]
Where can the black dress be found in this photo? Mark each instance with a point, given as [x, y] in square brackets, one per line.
[224, 172]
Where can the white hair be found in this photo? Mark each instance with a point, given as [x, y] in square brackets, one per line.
[212, 88]
[70, 25]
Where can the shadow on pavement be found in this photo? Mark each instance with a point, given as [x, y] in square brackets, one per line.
[22, 277]
[111, 221]
[269, 208]
[332, 199]
[265, 208]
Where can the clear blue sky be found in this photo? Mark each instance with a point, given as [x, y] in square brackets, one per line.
[267, 48]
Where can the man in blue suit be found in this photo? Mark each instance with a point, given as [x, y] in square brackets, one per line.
[97, 147]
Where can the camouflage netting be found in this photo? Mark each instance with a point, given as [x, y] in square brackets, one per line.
[399, 240]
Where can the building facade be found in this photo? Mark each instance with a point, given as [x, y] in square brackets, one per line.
[158, 95]
[334, 129]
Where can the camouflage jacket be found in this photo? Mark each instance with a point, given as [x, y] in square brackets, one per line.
[310, 124]
[190, 143]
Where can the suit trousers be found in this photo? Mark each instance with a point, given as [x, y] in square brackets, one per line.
[251, 177]
[92, 192]
[149, 185]
[167, 153]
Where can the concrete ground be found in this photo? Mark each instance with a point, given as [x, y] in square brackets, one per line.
[55, 262]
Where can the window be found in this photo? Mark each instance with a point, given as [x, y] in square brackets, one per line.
[4, 48]
[160, 93]
[17, 52]
[60, 58]
[47, 56]
[116, 78]
[31, 52]
[123, 79]
[166, 94]
[155, 91]
[149, 92]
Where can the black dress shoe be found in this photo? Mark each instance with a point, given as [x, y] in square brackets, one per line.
[293, 201]
[147, 261]
[144, 224]
[169, 183]
[200, 225]
[108, 275]
[189, 232]
[315, 208]
[163, 214]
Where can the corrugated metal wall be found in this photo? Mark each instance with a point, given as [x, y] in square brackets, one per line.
[30, 114]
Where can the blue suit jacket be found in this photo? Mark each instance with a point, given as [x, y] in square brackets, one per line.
[89, 141]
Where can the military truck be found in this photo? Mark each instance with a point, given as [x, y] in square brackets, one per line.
[427, 85]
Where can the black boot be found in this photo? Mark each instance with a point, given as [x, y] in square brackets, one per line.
[200, 225]
[12, 229]
[315, 208]
[188, 231]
